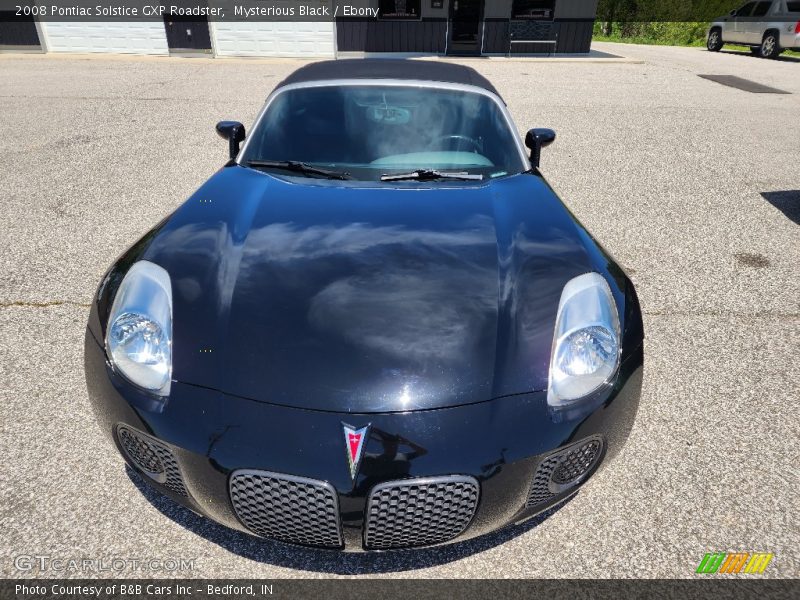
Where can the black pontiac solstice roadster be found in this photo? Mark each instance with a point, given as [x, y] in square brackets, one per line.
[375, 327]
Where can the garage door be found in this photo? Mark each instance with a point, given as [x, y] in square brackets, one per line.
[296, 39]
[148, 37]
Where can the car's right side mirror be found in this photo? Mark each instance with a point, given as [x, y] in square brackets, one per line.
[536, 139]
[233, 131]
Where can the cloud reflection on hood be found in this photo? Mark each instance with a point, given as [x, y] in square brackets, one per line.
[411, 294]
[432, 313]
[305, 307]
[284, 242]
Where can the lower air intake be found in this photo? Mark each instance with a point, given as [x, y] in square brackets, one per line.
[564, 469]
[419, 512]
[151, 457]
[287, 508]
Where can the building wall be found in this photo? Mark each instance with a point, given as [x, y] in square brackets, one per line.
[576, 9]
[425, 35]
[497, 9]
[570, 31]
[564, 9]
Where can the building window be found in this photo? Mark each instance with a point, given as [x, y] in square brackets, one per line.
[533, 10]
[400, 9]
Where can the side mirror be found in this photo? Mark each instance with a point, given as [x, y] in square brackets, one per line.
[733, 12]
[536, 139]
[233, 131]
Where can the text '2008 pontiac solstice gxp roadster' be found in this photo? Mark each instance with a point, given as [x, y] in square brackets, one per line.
[376, 327]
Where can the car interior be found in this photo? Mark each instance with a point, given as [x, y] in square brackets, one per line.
[386, 128]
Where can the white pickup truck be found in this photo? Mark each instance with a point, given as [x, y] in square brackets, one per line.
[769, 27]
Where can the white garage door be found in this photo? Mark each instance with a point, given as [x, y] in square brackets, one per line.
[294, 39]
[129, 38]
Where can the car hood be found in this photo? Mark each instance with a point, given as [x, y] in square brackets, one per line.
[365, 297]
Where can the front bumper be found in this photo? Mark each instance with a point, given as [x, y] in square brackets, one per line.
[500, 444]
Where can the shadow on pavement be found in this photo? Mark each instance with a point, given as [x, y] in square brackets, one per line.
[327, 561]
[785, 57]
[788, 202]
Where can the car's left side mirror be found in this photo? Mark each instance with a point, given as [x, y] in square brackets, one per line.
[536, 139]
[233, 131]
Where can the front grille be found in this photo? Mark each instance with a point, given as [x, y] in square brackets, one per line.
[287, 508]
[563, 470]
[152, 457]
[141, 452]
[540, 488]
[576, 462]
[419, 512]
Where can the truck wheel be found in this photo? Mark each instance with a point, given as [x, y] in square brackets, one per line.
[770, 45]
[714, 42]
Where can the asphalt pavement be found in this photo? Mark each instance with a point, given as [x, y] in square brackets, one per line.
[693, 186]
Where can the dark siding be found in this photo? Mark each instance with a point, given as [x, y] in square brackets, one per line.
[566, 37]
[429, 35]
[361, 35]
[495, 36]
[573, 36]
[584, 39]
[17, 31]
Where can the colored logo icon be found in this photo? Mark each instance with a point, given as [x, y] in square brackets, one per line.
[354, 442]
[734, 562]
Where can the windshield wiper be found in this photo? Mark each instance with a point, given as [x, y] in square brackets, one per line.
[298, 167]
[430, 174]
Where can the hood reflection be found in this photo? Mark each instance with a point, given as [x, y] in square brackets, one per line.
[430, 298]
[433, 312]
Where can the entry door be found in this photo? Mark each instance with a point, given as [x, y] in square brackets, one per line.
[465, 27]
[186, 33]
[17, 31]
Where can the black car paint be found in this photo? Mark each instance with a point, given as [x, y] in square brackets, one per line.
[499, 442]
[261, 382]
[367, 297]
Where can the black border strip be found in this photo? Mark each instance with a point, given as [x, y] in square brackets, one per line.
[701, 587]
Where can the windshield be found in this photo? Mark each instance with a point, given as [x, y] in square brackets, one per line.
[367, 131]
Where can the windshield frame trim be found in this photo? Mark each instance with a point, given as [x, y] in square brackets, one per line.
[440, 85]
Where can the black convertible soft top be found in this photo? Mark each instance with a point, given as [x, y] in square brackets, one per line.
[380, 68]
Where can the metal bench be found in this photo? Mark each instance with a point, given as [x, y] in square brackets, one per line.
[532, 32]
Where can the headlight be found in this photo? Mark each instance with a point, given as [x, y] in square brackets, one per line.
[586, 346]
[139, 332]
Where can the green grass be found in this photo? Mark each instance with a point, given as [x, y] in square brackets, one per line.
[649, 41]
[661, 34]
[658, 42]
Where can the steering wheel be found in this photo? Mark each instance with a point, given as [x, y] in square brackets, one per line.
[476, 146]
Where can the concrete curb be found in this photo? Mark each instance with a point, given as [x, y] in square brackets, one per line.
[570, 58]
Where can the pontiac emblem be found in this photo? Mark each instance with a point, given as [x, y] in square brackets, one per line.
[354, 441]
